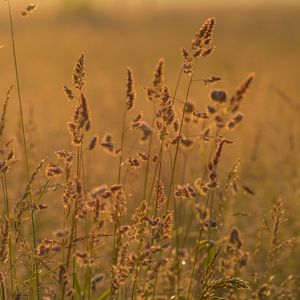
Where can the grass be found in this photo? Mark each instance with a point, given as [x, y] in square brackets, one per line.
[178, 199]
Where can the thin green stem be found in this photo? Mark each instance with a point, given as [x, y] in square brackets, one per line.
[89, 245]
[34, 244]
[196, 250]
[73, 234]
[7, 214]
[177, 146]
[18, 87]
[121, 148]
[172, 181]
[79, 152]
[41, 276]
[117, 223]
[152, 238]
[90, 274]
[163, 139]
[154, 175]
[83, 170]
[3, 294]
[160, 164]
[144, 196]
[149, 158]
[133, 286]
[43, 190]
[24, 143]
[70, 248]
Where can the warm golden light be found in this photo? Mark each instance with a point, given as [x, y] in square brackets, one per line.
[149, 149]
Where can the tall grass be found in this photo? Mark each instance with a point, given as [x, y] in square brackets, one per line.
[27, 166]
[164, 228]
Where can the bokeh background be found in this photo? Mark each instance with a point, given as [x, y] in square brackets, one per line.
[261, 36]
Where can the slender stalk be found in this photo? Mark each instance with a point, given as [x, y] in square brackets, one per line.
[180, 131]
[3, 294]
[6, 208]
[163, 139]
[73, 234]
[64, 230]
[12, 267]
[190, 218]
[196, 252]
[160, 164]
[43, 190]
[117, 223]
[121, 148]
[26, 282]
[89, 245]
[34, 243]
[154, 176]
[18, 87]
[144, 196]
[90, 274]
[155, 214]
[172, 181]
[24, 143]
[11, 260]
[156, 200]
[79, 152]
[133, 286]
[70, 249]
[177, 85]
[11, 250]
[148, 161]
[211, 207]
[83, 170]
[176, 221]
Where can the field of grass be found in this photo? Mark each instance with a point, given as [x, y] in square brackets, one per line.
[142, 172]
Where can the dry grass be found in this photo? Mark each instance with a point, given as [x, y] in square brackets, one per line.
[170, 203]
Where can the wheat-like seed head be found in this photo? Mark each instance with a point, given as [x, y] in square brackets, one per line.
[130, 91]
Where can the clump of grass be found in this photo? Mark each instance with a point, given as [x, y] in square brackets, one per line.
[156, 232]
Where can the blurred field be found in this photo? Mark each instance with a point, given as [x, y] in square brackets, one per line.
[257, 38]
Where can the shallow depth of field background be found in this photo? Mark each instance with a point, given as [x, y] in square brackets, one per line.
[261, 37]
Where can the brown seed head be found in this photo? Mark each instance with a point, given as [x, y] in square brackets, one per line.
[79, 73]
[130, 91]
[93, 143]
